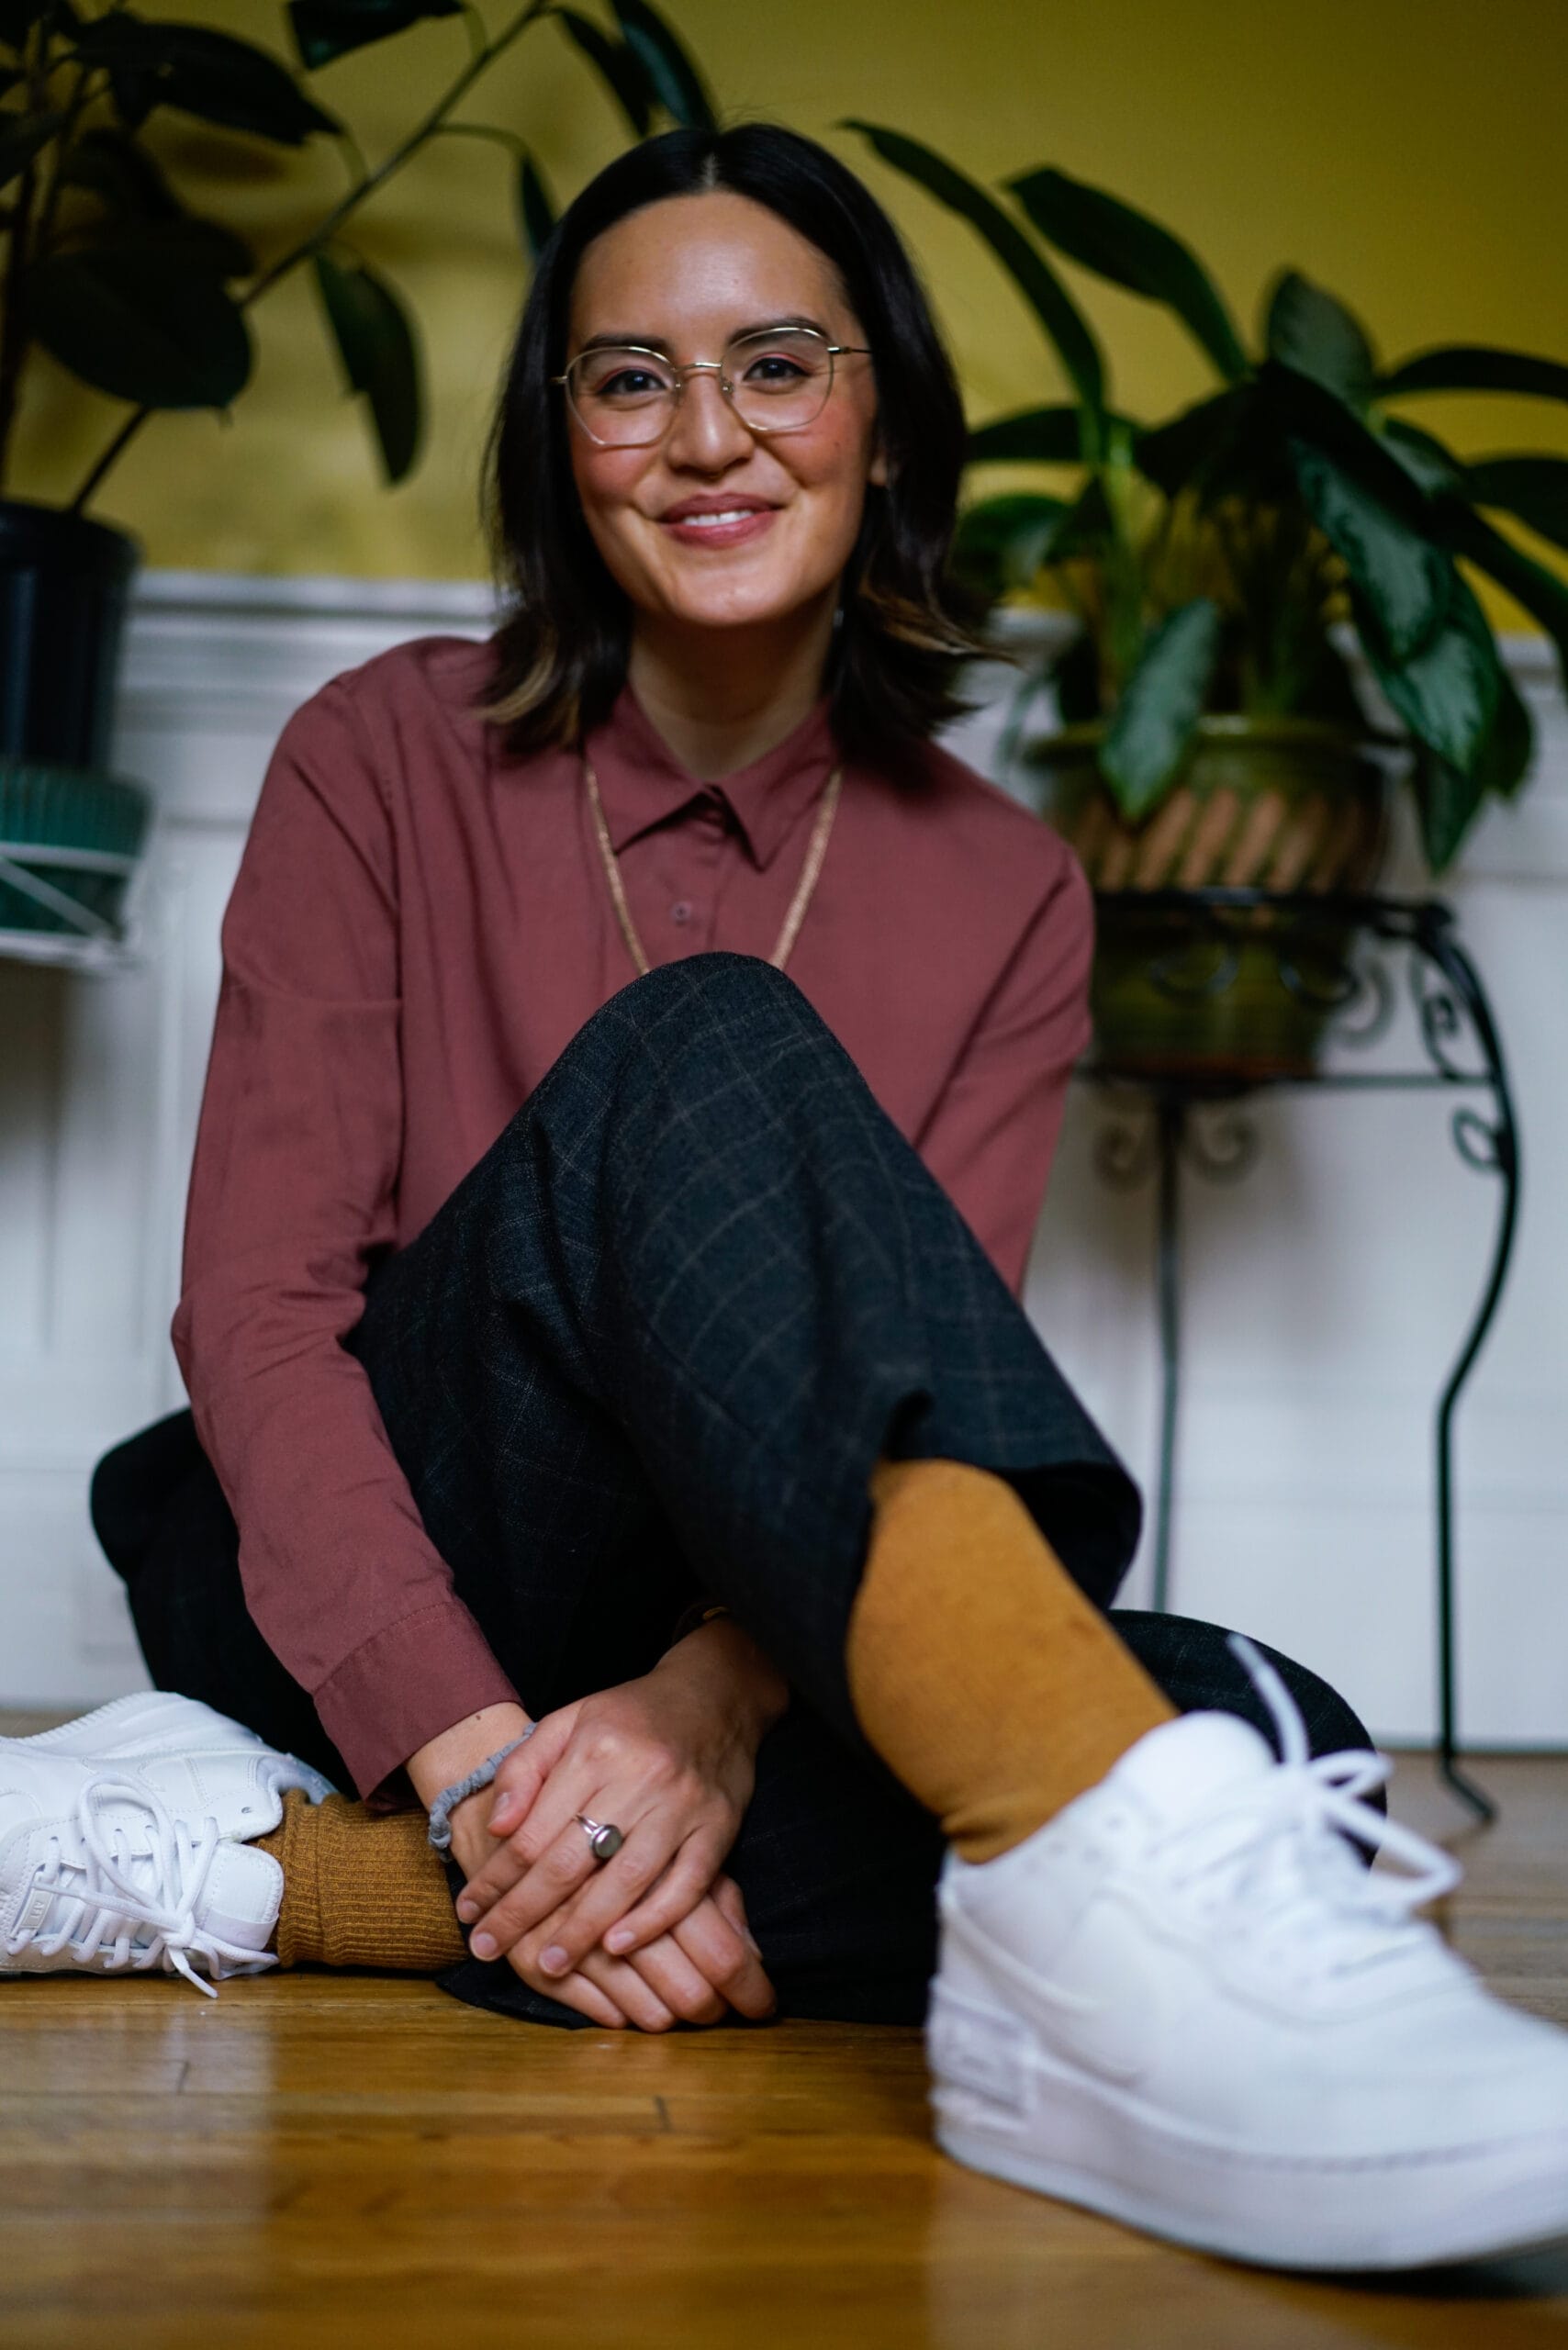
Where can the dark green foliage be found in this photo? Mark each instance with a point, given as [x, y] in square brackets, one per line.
[674, 79]
[143, 317]
[1133, 250]
[1307, 328]
[1211, 556]
[618, 67]
[209, 74]
[535, 205]
[327, 28]
[107, 271]
[375, 342]
[1152, 727]
[1047, 295]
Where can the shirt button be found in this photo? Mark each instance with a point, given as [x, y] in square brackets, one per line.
[681, 911]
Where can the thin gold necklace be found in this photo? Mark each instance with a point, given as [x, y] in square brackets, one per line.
[815, 852]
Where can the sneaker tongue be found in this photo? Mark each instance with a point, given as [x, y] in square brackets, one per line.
[1172, 1769]
[241, 1899]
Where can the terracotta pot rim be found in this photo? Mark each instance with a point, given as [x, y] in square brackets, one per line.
[1233, 727]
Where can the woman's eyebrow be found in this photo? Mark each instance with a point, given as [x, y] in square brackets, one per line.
[629, 341]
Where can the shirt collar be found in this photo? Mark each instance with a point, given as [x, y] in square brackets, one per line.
[643, 783]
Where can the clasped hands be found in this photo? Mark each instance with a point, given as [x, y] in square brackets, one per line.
[657, 1935]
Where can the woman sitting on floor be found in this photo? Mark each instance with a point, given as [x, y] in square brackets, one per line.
[617, 1424]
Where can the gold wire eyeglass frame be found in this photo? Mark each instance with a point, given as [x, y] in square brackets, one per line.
[831, 351]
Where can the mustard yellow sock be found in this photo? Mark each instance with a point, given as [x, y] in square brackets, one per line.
[361, 1888]
[979, 1673]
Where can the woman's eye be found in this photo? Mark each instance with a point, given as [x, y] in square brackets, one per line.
[776, 367]
[630, 383]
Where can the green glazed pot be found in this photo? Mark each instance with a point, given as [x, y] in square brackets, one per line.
[74, 832]
[1279, 804]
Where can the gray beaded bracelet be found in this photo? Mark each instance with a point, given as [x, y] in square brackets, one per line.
[450, 1797]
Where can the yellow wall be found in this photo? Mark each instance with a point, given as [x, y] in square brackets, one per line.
[1410, 153]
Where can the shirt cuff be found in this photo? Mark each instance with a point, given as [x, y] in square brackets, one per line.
[407, 1684]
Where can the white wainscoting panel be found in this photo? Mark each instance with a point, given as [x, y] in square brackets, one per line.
[1323, 1294]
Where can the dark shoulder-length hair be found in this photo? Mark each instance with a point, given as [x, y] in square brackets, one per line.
[561, 651]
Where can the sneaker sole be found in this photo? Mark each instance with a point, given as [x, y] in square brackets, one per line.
[1066, 2135]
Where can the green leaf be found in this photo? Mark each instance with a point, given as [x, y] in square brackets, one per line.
[1297, 406]
[1049, 436]
[209, 74]
[1432, 467]
[1309, 330]
[671, 73]
[1131, 250]
[115, 167]
[1063, 321]
[327, 28]
[1447, 804]
[1449, 692]
[1197, 451]
[1475, 367]
[1160, 704]
[1542, 594]
[1447, 801]
[131, 321]
[1401, 577]
[1001, 544]
[618, 67]
[21, 138]
[1535, 488]
[535, 205]
[380, 357]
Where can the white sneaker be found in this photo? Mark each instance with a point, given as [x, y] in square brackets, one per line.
[136, 1855]
[1185, 2002]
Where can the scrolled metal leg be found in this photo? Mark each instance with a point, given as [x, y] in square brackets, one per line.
[1171, 1126]
[1494, 1149]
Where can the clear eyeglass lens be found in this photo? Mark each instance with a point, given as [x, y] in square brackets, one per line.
[779, 380]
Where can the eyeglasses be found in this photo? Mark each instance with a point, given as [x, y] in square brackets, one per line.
[776, 380]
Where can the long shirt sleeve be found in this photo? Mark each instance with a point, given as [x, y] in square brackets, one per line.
[293, 1189]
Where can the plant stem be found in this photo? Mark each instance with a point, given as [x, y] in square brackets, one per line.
[325, 230]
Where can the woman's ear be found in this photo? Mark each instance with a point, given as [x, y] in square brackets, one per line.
[876, 471]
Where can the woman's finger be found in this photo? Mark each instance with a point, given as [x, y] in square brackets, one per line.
[683, 1885]
[664, 1967]
[588, 1997]
[725, 1960]
[566, 1868]
[614, 1980]
[730, 1903]
[646, 1860]
[525, 1770]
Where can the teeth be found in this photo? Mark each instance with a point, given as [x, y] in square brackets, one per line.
[712, 521]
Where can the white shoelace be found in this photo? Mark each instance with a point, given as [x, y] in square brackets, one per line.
[110, 1894]
[1266, 1853]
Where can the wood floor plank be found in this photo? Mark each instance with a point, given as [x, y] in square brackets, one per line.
[359, 2163]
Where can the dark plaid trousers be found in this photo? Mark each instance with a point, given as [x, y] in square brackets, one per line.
[649, 1348]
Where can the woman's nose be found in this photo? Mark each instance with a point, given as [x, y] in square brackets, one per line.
[706, 432]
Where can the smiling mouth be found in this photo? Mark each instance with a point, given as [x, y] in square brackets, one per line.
[730, 514]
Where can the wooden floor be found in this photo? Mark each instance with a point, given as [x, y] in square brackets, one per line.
[350, 2161]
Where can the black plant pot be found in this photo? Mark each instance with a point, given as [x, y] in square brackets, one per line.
[63, 586]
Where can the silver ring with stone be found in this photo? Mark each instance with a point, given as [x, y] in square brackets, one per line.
[604, 1841]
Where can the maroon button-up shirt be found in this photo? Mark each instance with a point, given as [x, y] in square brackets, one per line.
[420, 924]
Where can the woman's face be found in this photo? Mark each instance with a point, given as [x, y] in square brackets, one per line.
[683, 276]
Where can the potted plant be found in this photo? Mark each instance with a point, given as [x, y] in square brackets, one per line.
[106, 267]
[1217, 567]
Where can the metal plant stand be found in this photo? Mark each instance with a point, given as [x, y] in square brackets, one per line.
[1351, 986]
